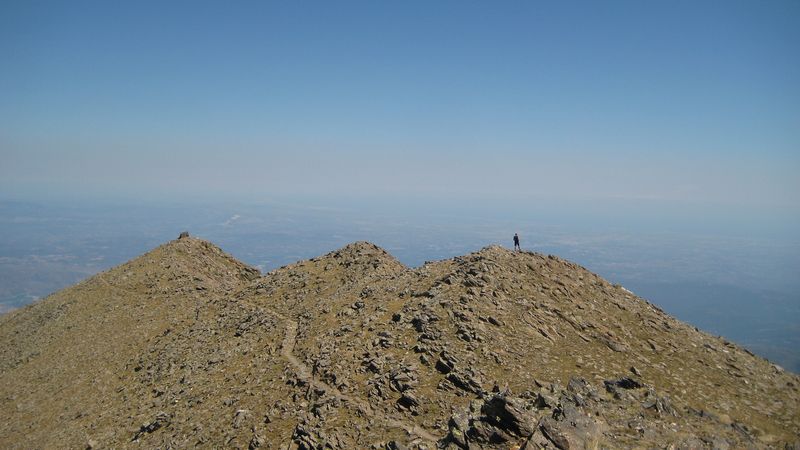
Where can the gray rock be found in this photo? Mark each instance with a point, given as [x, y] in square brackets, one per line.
[509, 414]
[553, 433]
[545, 399]
[256, 442]
[240, 416]
[303, 439]
[394, 445]
[570, 427]
[496, 419]
[446, 362]
[660, 405]
[408, 401]
[465, 381]
[162, 419]
[458, 425]
[624, 383]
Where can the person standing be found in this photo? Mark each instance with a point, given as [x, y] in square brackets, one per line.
[516, 243]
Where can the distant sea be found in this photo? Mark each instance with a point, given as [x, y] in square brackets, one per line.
[737, 283]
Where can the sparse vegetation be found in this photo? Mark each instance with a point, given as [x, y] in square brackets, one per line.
[186, 346]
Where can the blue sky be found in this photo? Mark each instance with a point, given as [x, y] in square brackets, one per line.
[683, 102]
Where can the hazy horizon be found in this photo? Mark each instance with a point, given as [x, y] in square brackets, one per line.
[738, 285]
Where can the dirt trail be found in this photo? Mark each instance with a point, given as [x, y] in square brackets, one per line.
[305, 374]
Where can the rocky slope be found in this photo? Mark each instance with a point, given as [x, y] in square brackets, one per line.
[187, 347]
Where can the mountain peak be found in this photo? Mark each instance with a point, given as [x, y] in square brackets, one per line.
[365, 255]
[185, 258]
[186, 346]
[361, 249]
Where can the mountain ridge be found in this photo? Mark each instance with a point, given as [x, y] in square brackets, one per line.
[185, 346]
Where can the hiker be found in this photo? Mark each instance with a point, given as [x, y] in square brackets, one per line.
[516, 243]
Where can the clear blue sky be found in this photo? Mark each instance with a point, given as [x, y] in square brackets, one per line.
[689, 102]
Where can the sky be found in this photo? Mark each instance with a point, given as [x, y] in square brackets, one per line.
[690, 106]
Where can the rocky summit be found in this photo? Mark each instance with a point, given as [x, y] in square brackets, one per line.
[187, 347]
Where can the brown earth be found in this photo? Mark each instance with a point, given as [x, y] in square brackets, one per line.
[187, 347]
